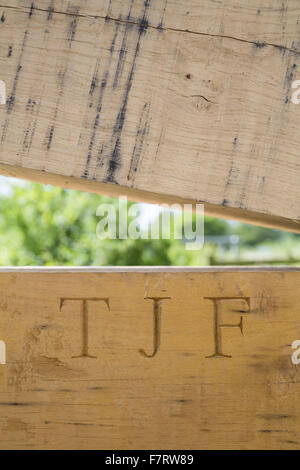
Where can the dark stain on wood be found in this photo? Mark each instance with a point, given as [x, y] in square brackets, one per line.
[289, 77]
[281, 49]
[142, 132]
[111, 150]
[50, 137]
[12, 97]
[15, 404]
[115, 158]
[273, 416]
[123, 48]
[259, 45]
[240, 203]
[31, 10]
[100, 161]
[30, 105]
[50, 10]
[31, 108]
[183, 401]
[108, 13]
[290, 74]
[161, 23]
[228, 180]
[29, 137]
[10, 50]
[61, 74]
[72, 10]
[269, 431]
[233, 176]
[11, 100]
[225, 202]
[25, 140]
[104, 80]
[94, 82]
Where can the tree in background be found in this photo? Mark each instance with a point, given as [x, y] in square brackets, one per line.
[45, 225]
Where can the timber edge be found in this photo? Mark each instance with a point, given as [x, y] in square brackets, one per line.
[114, 190]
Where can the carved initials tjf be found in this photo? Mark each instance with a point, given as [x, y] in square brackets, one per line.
[85, 320]
[218, 326]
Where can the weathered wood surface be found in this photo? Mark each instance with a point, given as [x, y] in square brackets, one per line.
[52, 395]
[161, 100]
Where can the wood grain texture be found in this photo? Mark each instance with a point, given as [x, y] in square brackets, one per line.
[158, 99]
[122, 399]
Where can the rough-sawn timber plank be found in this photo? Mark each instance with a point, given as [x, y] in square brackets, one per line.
[161, 100]
[85, 370]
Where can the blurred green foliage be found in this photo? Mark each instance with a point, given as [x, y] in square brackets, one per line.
[45, 225]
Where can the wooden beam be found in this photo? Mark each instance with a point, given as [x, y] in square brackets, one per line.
[149, 358]
[184, 101]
